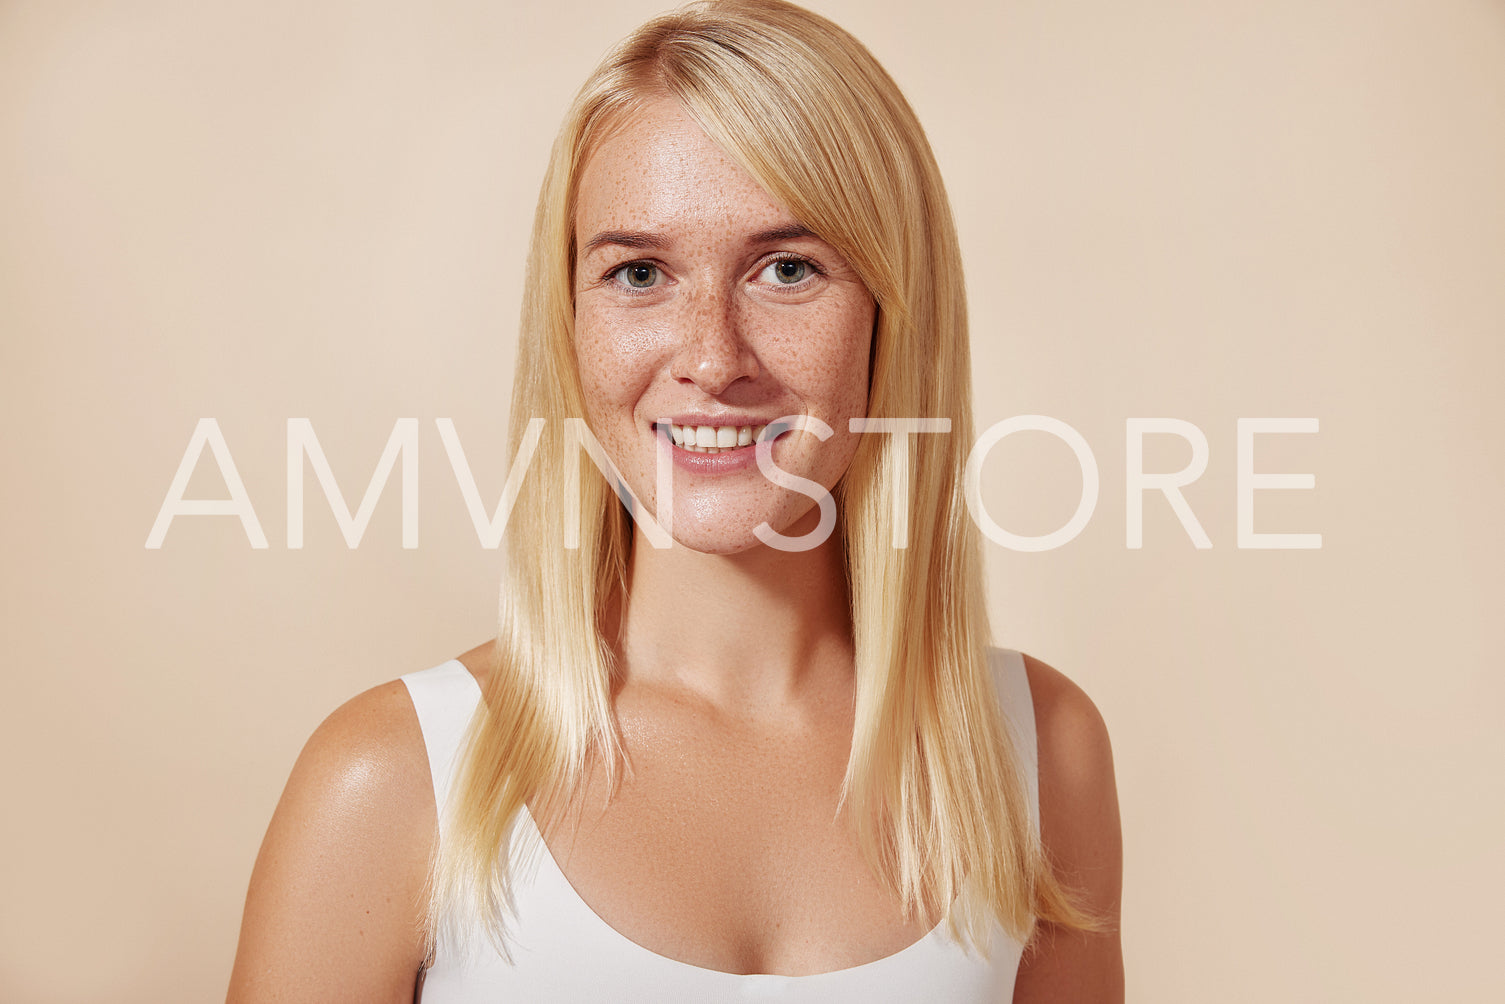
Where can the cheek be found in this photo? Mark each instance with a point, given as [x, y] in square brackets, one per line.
[613, 361]
[838, 379]
[828, 359]
[859, 344]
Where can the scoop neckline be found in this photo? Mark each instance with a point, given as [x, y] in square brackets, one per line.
[548, 860]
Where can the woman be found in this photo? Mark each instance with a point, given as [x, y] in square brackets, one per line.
[774, 758]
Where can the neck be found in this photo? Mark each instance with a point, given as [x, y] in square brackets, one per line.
[759, 630]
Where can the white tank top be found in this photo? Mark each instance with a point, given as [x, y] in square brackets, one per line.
[563, 952]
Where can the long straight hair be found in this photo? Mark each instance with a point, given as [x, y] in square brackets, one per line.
[932, 784]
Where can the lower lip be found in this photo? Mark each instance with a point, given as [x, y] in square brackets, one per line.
[726, 462]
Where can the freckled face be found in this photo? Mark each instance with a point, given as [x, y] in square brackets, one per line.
[702, 301]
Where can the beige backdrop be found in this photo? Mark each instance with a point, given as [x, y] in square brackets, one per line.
[257, 211]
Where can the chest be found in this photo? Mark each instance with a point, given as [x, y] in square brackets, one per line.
[728, 852]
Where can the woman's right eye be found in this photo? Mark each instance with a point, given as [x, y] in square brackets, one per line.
[638, 275]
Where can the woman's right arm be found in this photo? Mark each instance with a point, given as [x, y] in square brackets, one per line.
[335, 908]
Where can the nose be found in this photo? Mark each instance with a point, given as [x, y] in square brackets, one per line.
[713, 352]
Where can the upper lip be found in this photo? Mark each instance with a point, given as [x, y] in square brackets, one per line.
[716, 421]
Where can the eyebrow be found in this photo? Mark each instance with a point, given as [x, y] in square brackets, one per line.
[626, 239]
[644, 240]
[790, 232]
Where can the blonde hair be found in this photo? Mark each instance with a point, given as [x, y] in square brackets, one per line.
[932, 785]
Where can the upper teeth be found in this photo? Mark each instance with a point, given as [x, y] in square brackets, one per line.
[714, 438]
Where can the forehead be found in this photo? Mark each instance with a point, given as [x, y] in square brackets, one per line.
[658, 170]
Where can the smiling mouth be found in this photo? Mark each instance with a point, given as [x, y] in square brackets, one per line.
[716, 438]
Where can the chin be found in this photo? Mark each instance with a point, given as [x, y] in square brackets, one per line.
[727, 537]
[718, 541]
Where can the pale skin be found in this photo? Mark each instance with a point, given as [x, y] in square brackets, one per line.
[737, 737]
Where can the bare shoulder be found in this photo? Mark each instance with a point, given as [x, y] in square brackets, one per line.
[1079, 826]
[481, 661]
[335, 906]
[368, 754]
[1073, 738]
[371, 743]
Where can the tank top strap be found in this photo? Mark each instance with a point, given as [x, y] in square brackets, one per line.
[445, 698]
[1012, 683]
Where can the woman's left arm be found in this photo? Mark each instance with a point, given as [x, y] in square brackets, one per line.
[1080, 829]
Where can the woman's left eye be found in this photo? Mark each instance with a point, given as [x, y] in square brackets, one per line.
[786, 271]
